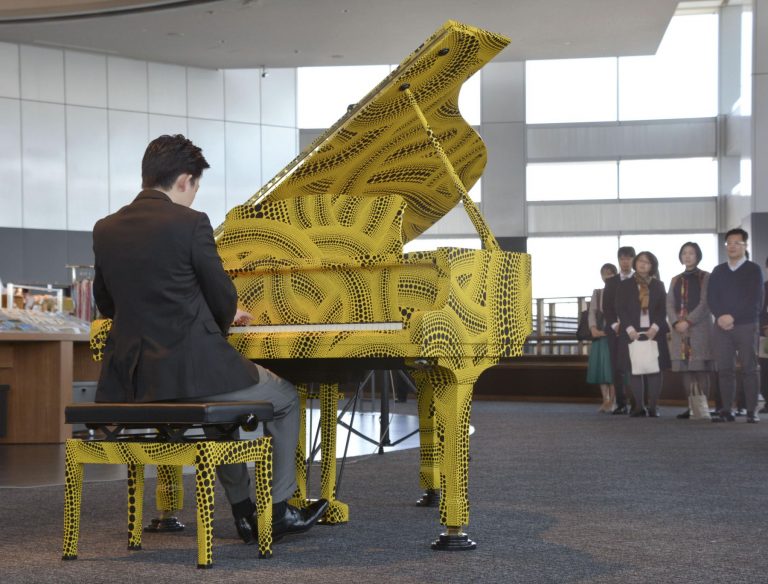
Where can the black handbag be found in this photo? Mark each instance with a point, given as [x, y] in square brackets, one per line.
[583, 332]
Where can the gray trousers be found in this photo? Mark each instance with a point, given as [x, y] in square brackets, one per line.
[284, 430]
[741, 340]
[653, 381]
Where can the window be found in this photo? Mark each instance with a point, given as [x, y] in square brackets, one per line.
[324, 93]
[671, 177]
[571, 181]
[680, 80]
[570, 266]
[666, 248]
[570, 90]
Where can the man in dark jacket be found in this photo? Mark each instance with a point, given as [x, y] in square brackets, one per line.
[735, 296]
[626, 256]
[160, 279]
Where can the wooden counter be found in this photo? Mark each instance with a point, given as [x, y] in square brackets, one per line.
[40, 369]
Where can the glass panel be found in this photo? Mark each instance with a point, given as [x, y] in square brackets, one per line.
[680, 80]
[666, 248]
[570, 90]
[571, 181]
[569, 266]
[670, 177]
[325, 92]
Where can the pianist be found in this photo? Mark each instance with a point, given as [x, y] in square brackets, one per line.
[160, 278]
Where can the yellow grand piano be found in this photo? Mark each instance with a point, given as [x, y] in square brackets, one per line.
[317, 258]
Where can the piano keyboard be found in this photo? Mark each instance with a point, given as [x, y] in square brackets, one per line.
[311, 328]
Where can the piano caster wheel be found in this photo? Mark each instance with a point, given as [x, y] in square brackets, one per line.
[430, 498]
[453, 542]
[164, 525]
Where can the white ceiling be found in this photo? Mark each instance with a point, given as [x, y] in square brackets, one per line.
[290, 33]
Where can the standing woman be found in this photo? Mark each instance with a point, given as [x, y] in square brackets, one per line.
[599, 368]
[691, 320]
[641, 308]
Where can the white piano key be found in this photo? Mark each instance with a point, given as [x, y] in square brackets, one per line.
[312, 328]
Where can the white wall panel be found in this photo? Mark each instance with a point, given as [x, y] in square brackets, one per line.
[205, 93]
[85, 77]
[278, 148]
[159, 125]
[278, 98]
[622, 216]
[127, 82]
[503, 92]
[167, 89]
[43, 165]
[10, 163]
[128, 139]
[614, 140]
[209, 135]
[87, 167]
[243, 153]
[242, 95]
[42, 74]
[9, 70]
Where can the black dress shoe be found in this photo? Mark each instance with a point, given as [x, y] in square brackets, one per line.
[620, 411]
[296, 520]
[685, 415]
[752, 418]
[723, 417]
[247, 529]
[641, 413]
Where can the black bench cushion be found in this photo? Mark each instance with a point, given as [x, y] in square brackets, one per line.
[167, 413]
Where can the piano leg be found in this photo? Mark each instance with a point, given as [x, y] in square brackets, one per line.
[338, 512]
[452, 399]
[429, 471]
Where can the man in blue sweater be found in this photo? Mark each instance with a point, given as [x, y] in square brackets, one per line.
[735, 297]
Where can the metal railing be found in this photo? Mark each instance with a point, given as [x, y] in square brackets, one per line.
[554, 327]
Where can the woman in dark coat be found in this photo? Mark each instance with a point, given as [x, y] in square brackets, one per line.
[642, 312]
[691, 328]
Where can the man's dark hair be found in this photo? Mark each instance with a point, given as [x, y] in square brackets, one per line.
[167, 157]
[626, 251]
[611, 268]
[696, 250]
[737, 231]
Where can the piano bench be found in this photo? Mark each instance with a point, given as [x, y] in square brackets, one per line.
[158, 435]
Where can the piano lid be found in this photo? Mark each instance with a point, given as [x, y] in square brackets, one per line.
[381, 146]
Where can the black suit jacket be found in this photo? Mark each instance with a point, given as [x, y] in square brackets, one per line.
[628, 310]
[609, 302]
[160, 278]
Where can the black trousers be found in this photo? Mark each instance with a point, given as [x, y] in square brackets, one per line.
[619, 376]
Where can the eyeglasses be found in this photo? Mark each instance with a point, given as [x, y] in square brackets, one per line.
[727, 243]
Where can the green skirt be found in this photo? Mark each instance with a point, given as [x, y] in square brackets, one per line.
[599, 368]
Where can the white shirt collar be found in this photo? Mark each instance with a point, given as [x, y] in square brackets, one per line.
[738, 265]
[624, 276]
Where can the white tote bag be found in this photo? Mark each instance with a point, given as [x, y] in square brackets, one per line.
[644, 356]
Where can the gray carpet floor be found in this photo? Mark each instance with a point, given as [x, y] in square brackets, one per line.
[559, 494]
